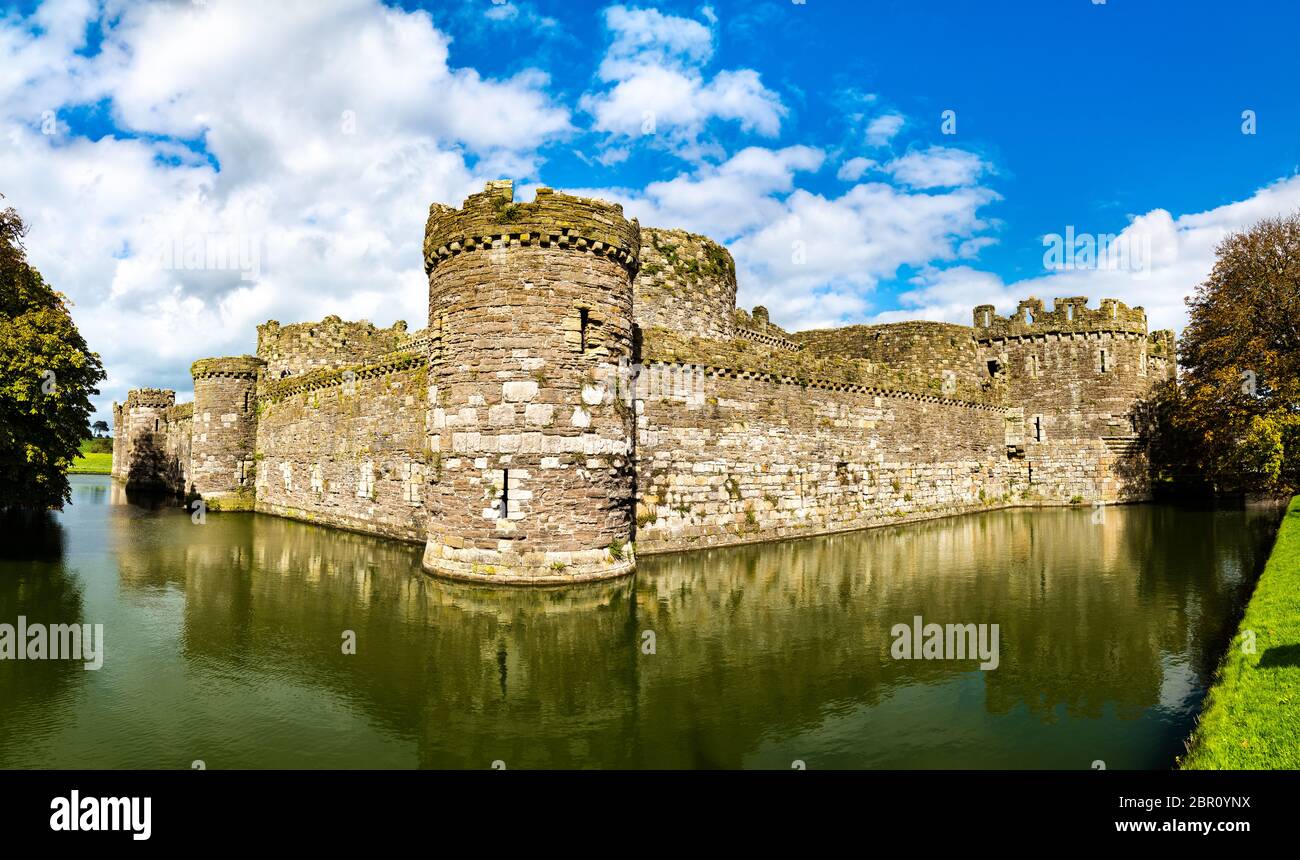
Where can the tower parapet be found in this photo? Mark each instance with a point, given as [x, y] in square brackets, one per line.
[224, 430]
[1070, 314]
[530, 423]
[491, 220]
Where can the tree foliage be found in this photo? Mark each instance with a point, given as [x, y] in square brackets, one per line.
[47, 375]
[1235, 415]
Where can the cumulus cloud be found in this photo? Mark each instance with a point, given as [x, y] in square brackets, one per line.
[937, 167]
[1163, 260]
[813, 260]
[882, 129]
[853, 169]
[724, 202]
[317, 164]
[658, 89]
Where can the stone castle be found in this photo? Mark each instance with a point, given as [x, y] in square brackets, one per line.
[587, 389]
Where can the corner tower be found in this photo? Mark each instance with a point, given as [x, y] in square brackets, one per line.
[1082, 377]
[225, 431]
[138, 457]
[530, 419]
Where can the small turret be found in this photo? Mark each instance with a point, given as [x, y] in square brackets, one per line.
[139, 459]
[225, 430]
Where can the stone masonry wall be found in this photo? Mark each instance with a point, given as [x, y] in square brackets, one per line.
[225, 430]
[292, 350]
[941, 357]
[347, 450]
[532, 434]
[686, 283]
[735, 460]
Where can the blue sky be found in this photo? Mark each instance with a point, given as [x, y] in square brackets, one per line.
[311, 137]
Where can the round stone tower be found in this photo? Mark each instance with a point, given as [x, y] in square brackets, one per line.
[530, 421]
[225, 431]
[686, 283]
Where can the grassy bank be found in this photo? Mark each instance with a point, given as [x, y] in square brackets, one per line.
[1251, 718]
[90, 462]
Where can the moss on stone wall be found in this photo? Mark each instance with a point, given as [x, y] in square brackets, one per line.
[745, 356]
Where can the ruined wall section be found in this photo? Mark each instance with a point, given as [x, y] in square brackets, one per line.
[686, 283]
[1162, 359]
[1081, 377]
[346, 448]
[332, 343]
[758, 328]
[531, 427]
[940, 358]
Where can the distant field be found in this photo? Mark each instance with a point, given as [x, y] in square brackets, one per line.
[91, 463]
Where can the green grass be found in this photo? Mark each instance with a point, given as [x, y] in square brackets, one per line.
[1251, 719]
[90, 462]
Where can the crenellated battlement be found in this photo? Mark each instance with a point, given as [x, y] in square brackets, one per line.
[1068, 315]
[155, 398]
[292, 350]
[492, 218]
[234, 367]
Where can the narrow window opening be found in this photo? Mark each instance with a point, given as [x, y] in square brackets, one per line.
[1104, 368]
[505, 493]
[583, 320]
[246, 401]
[155, 425]
[1038, 428]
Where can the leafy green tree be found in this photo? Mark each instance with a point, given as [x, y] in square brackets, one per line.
[47, 375]
[1235, 416]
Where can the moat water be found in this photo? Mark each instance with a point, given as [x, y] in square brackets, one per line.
[223, 644]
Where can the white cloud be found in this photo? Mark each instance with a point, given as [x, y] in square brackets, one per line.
[724, 202]
[519, 13]
[882, 129]
[658, 89]
[937, 167]
[853, 169]
[812, 260]
[1175, 255]
[329, 156]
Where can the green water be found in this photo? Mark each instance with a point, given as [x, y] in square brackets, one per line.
[224, 640]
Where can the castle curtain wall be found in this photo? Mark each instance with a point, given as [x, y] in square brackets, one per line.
[726, 460]
[346, 448]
